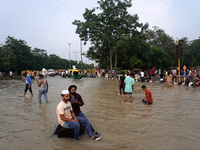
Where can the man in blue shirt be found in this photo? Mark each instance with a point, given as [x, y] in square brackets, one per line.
[128, 84]
[28, 82]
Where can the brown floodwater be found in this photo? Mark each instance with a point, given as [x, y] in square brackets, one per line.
[171, 123]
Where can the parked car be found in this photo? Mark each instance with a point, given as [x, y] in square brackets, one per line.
[51, 72]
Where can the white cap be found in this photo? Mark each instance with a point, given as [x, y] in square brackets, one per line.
[64, 92]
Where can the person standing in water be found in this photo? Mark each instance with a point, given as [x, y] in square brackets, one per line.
[121, 83]
[28, 82]
[11, 74]
[1, 75]
[43, 84]
[128, 83]
[153, 74]
[148, 99]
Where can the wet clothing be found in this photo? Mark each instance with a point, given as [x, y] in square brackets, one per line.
[27, 88]
[129, 82]
[147, 92]
[43, 90]
[76, 107]
[145, 102]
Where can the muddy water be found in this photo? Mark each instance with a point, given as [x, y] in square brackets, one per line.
[172, 123]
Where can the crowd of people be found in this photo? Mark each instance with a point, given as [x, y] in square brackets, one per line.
[69, 113]
[68, 110]
[42, 83]
[170, 77]
[126, 85]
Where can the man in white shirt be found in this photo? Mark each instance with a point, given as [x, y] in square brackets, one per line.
[68, 119]
[11, 73]
[142, 76]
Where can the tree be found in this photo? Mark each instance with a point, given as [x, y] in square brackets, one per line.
[22, 52]
[6, 58]
[158, 38]
[40, 58]
[191, 52]
[105, 29]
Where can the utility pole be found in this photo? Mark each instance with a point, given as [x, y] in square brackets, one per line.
[81, 54]
[179, 55]
[69, 56]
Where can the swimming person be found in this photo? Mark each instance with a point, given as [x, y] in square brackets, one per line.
[43, 84]
[68, 119]
[148, 99]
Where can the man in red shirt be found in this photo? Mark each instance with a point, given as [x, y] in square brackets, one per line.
[148, 99]
[153, 74]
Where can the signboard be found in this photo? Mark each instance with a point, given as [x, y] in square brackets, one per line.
[184, 67]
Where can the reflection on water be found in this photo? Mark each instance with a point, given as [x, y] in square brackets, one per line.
[172, 122]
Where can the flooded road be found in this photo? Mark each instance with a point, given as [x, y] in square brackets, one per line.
[171, 123]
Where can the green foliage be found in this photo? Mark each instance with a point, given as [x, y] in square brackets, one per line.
[16, 55]
[22, 52]
[6, 59]
[112, 31]
[108, 29]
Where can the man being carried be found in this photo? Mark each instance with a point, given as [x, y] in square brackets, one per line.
[148, 99]
[128, 83]
[68, 119]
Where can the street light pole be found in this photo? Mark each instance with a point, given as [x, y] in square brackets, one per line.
[81, 55]
[69, 56]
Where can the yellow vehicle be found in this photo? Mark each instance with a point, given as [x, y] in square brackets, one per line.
[74, 73]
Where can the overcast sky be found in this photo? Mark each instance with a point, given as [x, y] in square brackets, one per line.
[47, 24]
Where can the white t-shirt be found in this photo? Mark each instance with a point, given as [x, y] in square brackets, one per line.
[142, 74]
[64, 108]
[11, 73]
